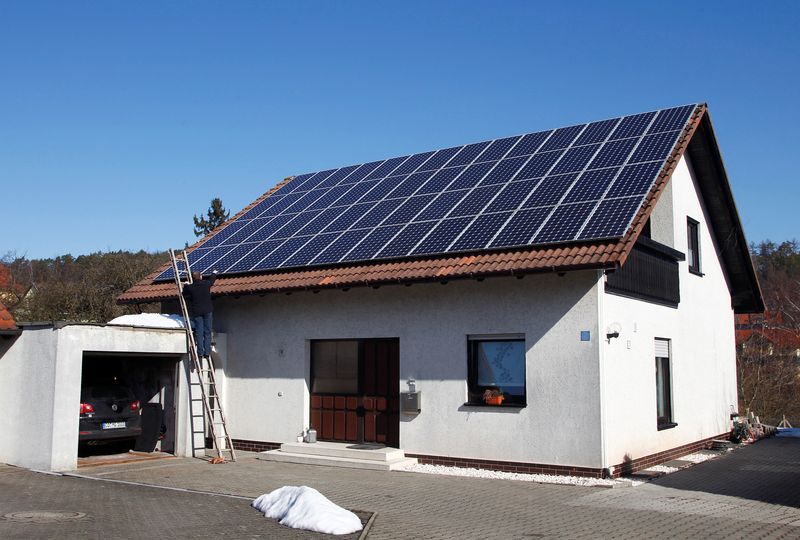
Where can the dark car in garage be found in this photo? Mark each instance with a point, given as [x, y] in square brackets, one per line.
[109, 413]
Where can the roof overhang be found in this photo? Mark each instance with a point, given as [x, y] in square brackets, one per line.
[725, 225]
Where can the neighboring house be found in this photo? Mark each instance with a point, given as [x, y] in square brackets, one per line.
[589, 274]
[768, 332]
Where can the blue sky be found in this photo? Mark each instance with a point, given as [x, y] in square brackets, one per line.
[120, 120]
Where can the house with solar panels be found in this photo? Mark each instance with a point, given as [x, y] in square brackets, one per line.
[561, 301]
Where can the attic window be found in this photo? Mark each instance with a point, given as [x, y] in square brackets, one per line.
[693, 245]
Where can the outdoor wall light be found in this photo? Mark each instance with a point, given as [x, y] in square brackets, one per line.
[613, 331]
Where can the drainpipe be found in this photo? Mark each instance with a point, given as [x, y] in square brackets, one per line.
[601, 368]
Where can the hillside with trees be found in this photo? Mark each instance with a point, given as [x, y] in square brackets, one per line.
[78, 289]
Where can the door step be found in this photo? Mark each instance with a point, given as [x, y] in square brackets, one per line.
[355, 456]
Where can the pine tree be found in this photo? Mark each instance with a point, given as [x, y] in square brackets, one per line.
[216, 217]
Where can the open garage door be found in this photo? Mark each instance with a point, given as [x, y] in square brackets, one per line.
[127, 403]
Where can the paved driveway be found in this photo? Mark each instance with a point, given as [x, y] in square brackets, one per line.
[411, 505]
[768, 472]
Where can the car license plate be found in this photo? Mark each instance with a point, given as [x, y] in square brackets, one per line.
[113, 425]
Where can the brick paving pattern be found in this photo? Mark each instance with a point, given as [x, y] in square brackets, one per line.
[417, 506]
[744, 472]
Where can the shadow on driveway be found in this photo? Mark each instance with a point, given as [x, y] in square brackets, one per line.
[767, 471]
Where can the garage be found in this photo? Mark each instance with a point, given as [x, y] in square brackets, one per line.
[127, 403]
[45, 367]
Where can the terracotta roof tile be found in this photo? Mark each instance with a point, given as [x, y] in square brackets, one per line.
[429, 269]
[595, 254]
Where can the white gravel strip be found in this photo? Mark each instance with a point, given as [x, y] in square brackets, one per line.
[697, 458]
[662, 468]
[541, 478]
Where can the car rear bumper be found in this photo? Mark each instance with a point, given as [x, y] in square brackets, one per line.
[103, 435]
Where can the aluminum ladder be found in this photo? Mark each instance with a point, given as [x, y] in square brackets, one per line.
[212, 405]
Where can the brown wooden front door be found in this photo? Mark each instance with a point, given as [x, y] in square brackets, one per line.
[355, 391]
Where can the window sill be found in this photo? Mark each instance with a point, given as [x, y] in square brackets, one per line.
[501, 406]
[696, 272]
[662, 427]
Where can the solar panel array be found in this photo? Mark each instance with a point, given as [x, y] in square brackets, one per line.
[576, 183]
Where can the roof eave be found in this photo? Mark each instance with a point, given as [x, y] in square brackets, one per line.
[226, 286]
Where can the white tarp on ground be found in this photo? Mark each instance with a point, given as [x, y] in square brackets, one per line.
[152, 320]
[302, 507]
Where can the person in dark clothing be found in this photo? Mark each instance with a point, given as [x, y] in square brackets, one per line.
[198, 297]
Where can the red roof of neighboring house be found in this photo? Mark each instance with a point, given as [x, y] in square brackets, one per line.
[596, 254]
[6, 320]
[783, 338]
[769, 325]
[770, 317]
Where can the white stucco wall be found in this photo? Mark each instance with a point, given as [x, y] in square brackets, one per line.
[662, 219]
[268, 355]
[701, 331]
[40, 381]
[27, 384]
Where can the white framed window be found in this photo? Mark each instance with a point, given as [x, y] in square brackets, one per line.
[496, 363]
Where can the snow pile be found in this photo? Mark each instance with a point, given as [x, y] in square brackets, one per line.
[152, 320]
[484, 473]
[302, 507]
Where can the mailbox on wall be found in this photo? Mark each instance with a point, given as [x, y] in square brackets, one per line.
[410, 403]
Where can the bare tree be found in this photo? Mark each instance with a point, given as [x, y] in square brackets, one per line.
[768, 365]
[84, 288]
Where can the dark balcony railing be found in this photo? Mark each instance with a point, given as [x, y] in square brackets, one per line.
[650, 273]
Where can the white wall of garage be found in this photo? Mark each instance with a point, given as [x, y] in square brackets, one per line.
[40, 382]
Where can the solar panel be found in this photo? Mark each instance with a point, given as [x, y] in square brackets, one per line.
[576, 183]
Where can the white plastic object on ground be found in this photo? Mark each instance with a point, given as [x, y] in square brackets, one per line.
[153, 320]
[302, 507]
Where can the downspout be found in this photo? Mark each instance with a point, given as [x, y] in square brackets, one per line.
[600, 287]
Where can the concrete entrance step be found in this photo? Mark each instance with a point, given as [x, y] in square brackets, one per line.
[354, 456]
[368, 451]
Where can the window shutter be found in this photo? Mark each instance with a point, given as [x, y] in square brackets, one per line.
[662, 348]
